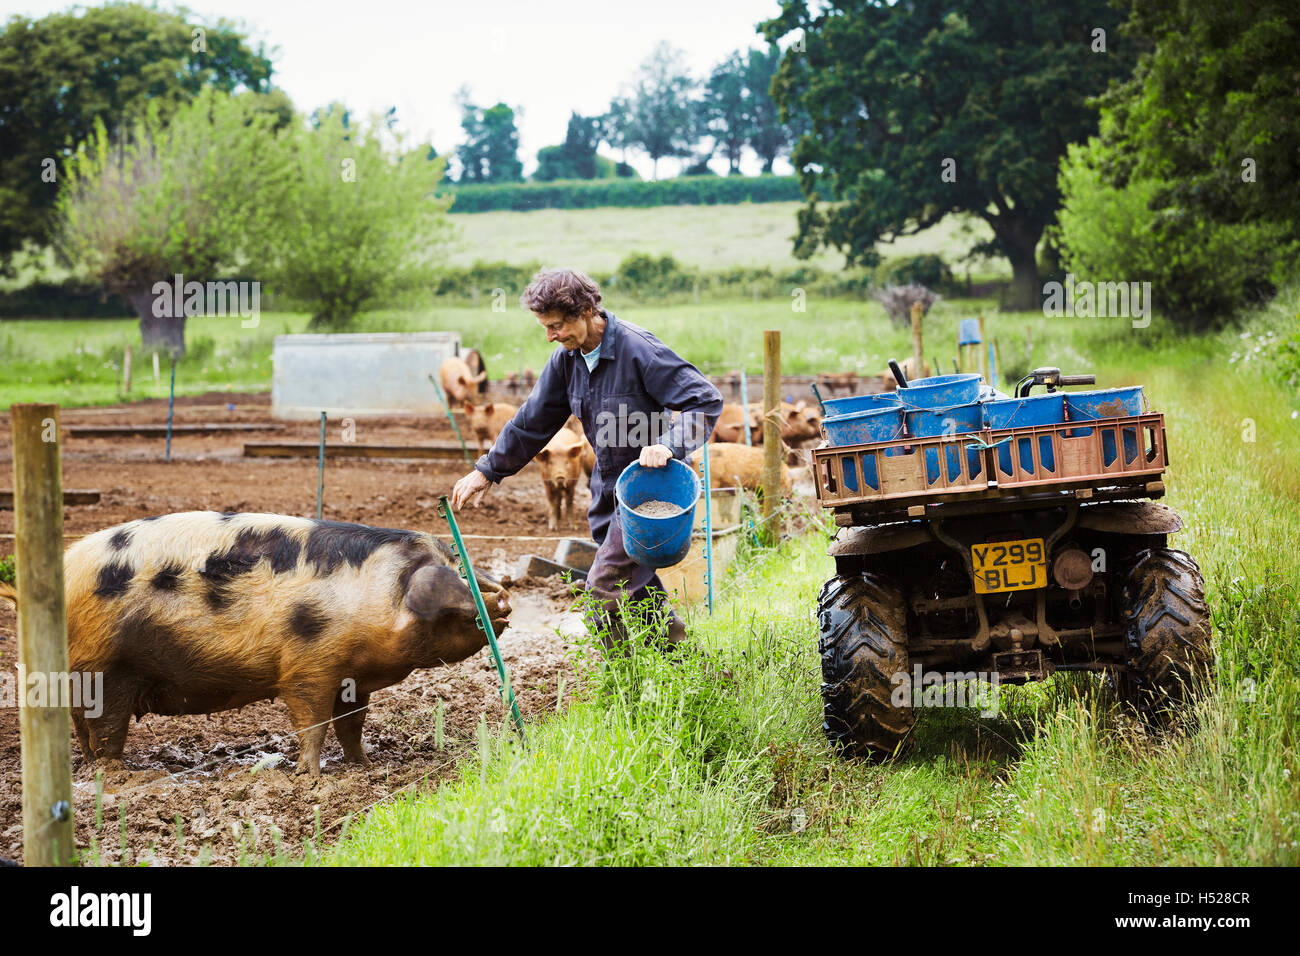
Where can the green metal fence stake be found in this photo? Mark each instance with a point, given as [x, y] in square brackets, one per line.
[485, 622]
[708, 528]
[320, 471]
[450, 417]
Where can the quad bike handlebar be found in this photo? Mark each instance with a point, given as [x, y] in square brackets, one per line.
[1051, 377]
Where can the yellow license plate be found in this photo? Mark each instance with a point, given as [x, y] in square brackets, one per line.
[1009, 565]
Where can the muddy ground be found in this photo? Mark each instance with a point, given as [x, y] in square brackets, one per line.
[228, 776]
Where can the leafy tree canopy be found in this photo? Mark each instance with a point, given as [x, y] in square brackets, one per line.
[922, 109]
[66, 72]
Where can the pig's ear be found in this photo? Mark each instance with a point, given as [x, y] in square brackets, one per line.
[469, 407]
[487, 409]
[575, 451]
[435, 588]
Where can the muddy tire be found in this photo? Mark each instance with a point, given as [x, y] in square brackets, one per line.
[863, 644]
[1167, 630]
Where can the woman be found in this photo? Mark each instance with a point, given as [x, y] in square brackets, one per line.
[624, 385]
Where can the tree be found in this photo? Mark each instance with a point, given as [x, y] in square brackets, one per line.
[490, 153]
[1208, 116]
[64, 73]
[158, 200]
[766, 133]
[932, 107]
[725, 113]
[355, 222]
[661, 111]
[616, 126]
[1192, 182]
[1199, 269]
[576, 157]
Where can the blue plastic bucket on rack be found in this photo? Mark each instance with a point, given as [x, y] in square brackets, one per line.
[1107, 403]
[859, 428]
[859, 403]
[952, 420]
[941, 391]
[657, 542]
[1025, 412]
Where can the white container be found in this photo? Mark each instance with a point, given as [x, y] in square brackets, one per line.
[367, 373]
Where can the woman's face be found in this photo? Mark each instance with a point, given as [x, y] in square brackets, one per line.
[569, 332]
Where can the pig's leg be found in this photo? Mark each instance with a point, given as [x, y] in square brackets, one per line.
[553, 505]
[83, 735]
[310, 716]
[107, 732]
[569, 489]
[348, 718]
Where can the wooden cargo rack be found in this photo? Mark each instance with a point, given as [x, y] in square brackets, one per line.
[908, 474]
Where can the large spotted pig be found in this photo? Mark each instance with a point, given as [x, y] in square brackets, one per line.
[200, 612]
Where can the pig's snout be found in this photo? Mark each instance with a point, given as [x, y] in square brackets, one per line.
[499, 609]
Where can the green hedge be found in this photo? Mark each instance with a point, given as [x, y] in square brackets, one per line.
[590, 193]
[642, 277]
[60, 300]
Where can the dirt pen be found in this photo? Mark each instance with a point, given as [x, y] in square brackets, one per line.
[212, 788]
[197, 769]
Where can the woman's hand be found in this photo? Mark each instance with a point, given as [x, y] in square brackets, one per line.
[656, 456]
[469, 490]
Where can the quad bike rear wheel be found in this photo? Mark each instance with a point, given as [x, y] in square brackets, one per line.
[1167, 630]
[863, 645]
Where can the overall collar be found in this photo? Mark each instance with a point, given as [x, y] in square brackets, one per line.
[608, 339]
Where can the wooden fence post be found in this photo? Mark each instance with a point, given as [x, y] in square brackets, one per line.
[772, 434]
[42, 637]
[918, 360]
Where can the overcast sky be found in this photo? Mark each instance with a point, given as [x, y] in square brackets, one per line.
[546, 57]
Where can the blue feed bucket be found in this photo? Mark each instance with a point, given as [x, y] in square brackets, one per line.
[941, 391]
[1104, 403]
[650, 541]
[953, 420]
[859, 403]
[859, 428]
[1022, 413]
[1107, 403]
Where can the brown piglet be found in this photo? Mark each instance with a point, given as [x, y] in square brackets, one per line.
[562, 463]
[486, 421]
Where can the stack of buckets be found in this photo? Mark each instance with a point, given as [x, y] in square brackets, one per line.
[960, 404]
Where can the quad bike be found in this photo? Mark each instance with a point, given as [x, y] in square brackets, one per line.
[1026, 551]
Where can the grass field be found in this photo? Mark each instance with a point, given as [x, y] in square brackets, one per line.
[78, 362]
[718, 757]
[706, 237]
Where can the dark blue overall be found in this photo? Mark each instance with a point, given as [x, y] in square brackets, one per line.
[622, 404]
